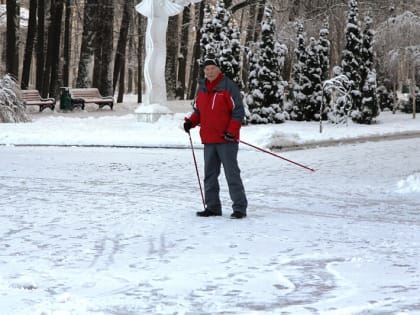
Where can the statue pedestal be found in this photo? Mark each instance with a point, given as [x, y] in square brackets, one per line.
[152, 112]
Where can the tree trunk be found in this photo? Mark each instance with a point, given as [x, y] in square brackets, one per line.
[394, 97]
[140, 57]
[54, 46]
[67, 44]
[86, 50]
[40, 45]
[195, 73]
[252, 20]
[30, 39]
[413, 88]
[121, 85]
[50, 84]
[183, 53]
[172, 40]
[102, 76]
[12, 40]
[131, 52]
[120, 54]
[242, 5]
[48, 57]
[260, 16]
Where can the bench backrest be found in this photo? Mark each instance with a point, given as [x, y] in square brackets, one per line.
[85, 92]
[28, 95]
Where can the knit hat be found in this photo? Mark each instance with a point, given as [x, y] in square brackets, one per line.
[211, 61]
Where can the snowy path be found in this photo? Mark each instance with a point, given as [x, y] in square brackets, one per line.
[113, 231]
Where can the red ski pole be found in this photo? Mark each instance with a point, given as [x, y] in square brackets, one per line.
[276, 155]
[198, 174]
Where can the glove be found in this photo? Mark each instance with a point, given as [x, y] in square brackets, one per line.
[229, 137]
[187, 125]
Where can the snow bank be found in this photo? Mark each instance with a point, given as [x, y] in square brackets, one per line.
[154, 126]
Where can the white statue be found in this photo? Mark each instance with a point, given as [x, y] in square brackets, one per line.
[157, 13]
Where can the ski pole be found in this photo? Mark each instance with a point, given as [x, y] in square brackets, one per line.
[276, 155]
[196, 170]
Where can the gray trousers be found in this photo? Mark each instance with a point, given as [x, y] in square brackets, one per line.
[215, 155]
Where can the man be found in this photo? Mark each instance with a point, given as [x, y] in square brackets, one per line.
[219, 111]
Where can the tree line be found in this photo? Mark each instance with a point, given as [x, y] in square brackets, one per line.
[85, 43]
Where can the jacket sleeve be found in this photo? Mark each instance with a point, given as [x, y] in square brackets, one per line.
[195, 116]
[234, 127]
[238, 111]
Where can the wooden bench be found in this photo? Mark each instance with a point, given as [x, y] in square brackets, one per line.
[92, 95]
[32, 97]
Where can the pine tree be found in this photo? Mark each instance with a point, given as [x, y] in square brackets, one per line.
[209, 42]
[324, 48]
[230, 55]
[313, 89]
[384, 96]
[300, 81]
[266, 86]
[221, 40]
[367, 50]
[369, 107]
[255, 98]
[351, 59]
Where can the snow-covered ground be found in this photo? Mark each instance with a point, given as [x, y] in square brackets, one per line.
[108, 230]
[122, 127]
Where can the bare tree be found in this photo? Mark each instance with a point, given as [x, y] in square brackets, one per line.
[140, 56]
[86, 50]
[30, 40]
[131, 53]
[120, 60]
[194, 76]
[391, 47]
[103, 48]
[50, 82]
[12, 42]
[183, 53]
[67, 44]
[172, 40]
[40, 45]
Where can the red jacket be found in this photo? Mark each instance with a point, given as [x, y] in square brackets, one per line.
[218, 110]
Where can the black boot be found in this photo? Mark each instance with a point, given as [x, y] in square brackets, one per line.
[208, 213]
[237, 215]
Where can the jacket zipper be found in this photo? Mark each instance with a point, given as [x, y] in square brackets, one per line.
[214, 101]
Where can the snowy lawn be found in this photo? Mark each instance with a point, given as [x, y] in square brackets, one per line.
[122, 128]
[88, 230]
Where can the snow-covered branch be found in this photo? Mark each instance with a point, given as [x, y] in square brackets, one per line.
[11, 107]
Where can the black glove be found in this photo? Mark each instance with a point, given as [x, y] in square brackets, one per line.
[187, 125]
[229, 137]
